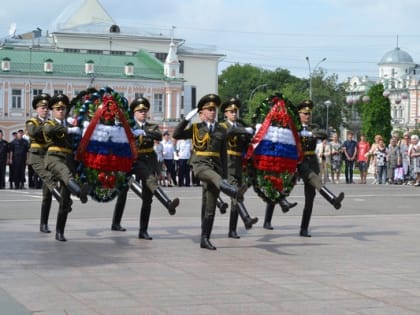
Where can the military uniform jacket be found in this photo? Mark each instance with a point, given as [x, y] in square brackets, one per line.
[146, 154]
[237, 141]
[58, 141]
[209, 149]
[34, 127]
[309, 137]
[4, 150]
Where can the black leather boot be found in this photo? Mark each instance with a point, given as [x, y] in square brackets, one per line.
[233, 222]
[45, 213]
[286, 205]
[248, 221]
[144, 223]
[118, 211]
[79, 191]
[331, 198]
[168, 203]
[221, 205]
[269, 210]
[206, 228]
[233, 191]
[61, 223]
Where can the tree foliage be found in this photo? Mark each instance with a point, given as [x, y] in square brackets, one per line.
[376, 114]
[252, 85]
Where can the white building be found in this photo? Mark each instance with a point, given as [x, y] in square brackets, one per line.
[398, 74]
[85, 47]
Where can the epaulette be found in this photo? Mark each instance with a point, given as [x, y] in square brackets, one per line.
[223, 124]
[34, 121]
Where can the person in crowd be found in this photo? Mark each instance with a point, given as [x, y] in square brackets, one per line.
[336, 154]
[380, 158]
[404, 146]
[308, 169]
[4, 159]
[18, 158]
[393, 159]
[183, 152]
[168, 158]
[323, 152]
[414, 152]
[363, 148]
[37, 151]
[11, 176]
[59, 159]
[372, 157]
[350, 153]
[161, 176]
[238, 137]
[145, 170]
[208, 161]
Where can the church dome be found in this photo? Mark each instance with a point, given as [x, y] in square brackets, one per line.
[396, 56]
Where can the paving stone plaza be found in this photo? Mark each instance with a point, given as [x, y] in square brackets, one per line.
[362, 259]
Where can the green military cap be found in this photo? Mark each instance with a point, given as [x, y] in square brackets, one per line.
[140, 103]
[59, 101]
[40, 100]
[208, 101]
[232, 104]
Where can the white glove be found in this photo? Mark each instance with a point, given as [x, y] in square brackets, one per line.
[74, 130]
[191, 114]
[249, 130]
[70, 120]
[139, 132]
[85, 124]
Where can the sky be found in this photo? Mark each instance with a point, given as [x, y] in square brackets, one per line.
[353, 35]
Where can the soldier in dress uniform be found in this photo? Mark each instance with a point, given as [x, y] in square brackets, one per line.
[145, 169]
[208, 160]
[59, 159]
[238, 137]
[308, 169]
[37, 151]
[4, 159]
[18, 157]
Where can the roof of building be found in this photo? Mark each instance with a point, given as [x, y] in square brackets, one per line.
[396, 56]
[25, 61]
[82, 13]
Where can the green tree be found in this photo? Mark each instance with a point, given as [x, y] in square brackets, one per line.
[376, 114]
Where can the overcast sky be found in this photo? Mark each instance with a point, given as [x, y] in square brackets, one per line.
[352, 34]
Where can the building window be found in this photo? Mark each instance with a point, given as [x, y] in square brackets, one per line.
[36, 92]
[95, 51]
[16, 99]
[161, 56]
[158, 103]
[181, 66]
[56, 92]
[137, 95]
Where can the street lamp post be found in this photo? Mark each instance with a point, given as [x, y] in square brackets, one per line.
[327, 105]
[255, 89]
[310, 73]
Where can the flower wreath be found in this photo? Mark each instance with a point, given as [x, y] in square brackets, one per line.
[107, 150]
[271, 160]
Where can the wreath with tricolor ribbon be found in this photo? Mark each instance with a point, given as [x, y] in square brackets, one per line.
[270, 162]
[107, 150]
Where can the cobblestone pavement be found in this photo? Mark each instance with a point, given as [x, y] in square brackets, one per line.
[362, 259]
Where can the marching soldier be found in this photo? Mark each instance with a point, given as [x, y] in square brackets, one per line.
[208, 160]
[37, 151]
[308, 169]
[238, 138]
[59, 159]
[145, 169]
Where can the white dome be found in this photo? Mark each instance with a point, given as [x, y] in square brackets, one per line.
[396, 56]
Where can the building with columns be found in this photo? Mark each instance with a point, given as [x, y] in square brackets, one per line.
[400, 77]
[86, 47]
